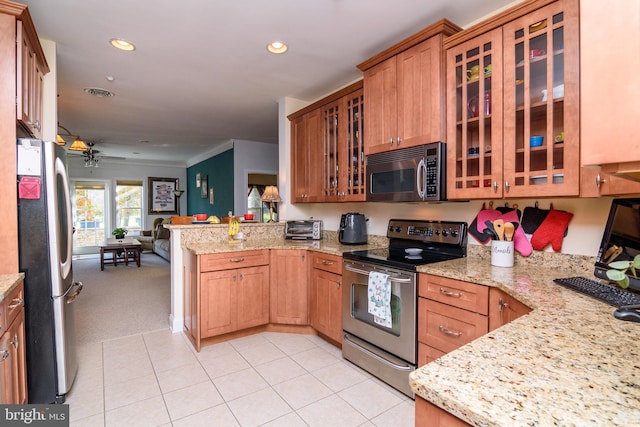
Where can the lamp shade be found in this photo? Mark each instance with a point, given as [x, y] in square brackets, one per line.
[78, 145]
[271, 194]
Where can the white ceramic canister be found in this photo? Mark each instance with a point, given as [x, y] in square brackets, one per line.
[502, 253]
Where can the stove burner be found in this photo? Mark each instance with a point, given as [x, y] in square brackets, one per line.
[416, 242]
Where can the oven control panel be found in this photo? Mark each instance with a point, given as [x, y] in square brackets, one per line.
[428, 231]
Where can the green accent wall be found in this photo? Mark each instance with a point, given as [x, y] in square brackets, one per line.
[219, 170]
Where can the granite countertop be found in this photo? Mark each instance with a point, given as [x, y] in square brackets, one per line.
[331, 247]
[567, 363]
[8, 282]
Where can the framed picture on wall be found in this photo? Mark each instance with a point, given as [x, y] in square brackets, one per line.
[204, 186]
[162, 199]
[211, 196]
[198, 180]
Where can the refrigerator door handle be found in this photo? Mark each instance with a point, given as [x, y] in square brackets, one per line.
[70, 297]
[61, 170]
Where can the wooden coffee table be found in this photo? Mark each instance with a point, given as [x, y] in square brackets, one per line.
[123, 250]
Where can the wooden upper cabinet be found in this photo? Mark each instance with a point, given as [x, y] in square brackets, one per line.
[328, 149]
[306, 147]
[609, 85]
[509, 78]
[404, 91]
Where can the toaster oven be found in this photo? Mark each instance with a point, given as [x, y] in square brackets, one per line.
[305, 229]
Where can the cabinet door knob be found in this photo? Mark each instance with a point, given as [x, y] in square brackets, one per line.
[391, 141]
[338, 284]
[506, 186]
[502, 305]
[398, 140]
[15, 341]
[495, 186]
[599, 181]
[4, 354]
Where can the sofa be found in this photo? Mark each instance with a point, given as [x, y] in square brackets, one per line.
[147, 237]
[162, 242]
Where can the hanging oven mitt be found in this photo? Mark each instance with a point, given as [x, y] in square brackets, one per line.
[504, 209]
[532, 217]
[473, 228]
[520, 241]
[551, 230]
[486, 215]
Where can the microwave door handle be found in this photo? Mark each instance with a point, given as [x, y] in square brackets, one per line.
[421, 178]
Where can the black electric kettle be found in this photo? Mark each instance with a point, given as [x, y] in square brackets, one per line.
[353, 229]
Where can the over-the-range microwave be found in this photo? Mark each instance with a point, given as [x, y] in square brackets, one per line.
[413, 174]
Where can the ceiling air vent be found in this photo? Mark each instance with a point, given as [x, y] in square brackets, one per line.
[100, 93]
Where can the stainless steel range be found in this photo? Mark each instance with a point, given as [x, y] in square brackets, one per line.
[379, 315]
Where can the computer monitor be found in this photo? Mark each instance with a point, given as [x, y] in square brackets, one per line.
[621, 238]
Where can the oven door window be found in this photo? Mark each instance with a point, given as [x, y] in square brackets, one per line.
[360, 308]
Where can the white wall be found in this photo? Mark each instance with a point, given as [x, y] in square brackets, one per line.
[583, 238]
[112, 171]
[250, 157]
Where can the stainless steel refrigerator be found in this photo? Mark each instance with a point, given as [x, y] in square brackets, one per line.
[45, 232]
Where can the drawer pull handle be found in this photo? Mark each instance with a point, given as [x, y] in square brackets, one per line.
[325, 262]
[450, 294]
[17, 302]
[448, 331]
[4, 354]
[236, 259]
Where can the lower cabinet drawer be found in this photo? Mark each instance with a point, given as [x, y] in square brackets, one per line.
[446, 328]
[326, 262]
[225, 261]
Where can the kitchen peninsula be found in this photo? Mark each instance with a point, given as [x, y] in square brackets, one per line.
[568, 362]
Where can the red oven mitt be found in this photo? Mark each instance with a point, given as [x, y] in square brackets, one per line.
[551, 230]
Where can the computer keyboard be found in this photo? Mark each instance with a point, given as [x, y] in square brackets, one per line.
[612, 295]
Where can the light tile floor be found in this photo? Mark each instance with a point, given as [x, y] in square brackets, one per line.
[267, 379]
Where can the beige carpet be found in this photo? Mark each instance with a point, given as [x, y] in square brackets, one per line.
[122, 300]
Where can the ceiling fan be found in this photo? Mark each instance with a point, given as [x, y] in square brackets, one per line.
[91, 156]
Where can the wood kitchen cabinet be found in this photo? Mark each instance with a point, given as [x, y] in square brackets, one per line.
[595, 182]
[428, 414]
[13, 374]
[609, 86]
[514, 76]
[343, 178]
[306, 146]
[404, 91]
[29, 75]
[288, 270]
[328, 163]
[325, 299]
[503, 308]
[452, 313]
[12, 15]
[225, 292]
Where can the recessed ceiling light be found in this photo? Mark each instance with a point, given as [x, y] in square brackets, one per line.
[277, 47]
[122, 44]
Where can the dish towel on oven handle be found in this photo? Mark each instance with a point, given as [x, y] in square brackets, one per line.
[379, 293]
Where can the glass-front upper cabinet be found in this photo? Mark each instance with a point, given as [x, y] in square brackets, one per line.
[474, 135]
[354, 180]
[541, 103]
[343, 165]
[513, 106]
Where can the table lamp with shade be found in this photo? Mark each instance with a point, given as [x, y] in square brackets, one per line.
[271, 196]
